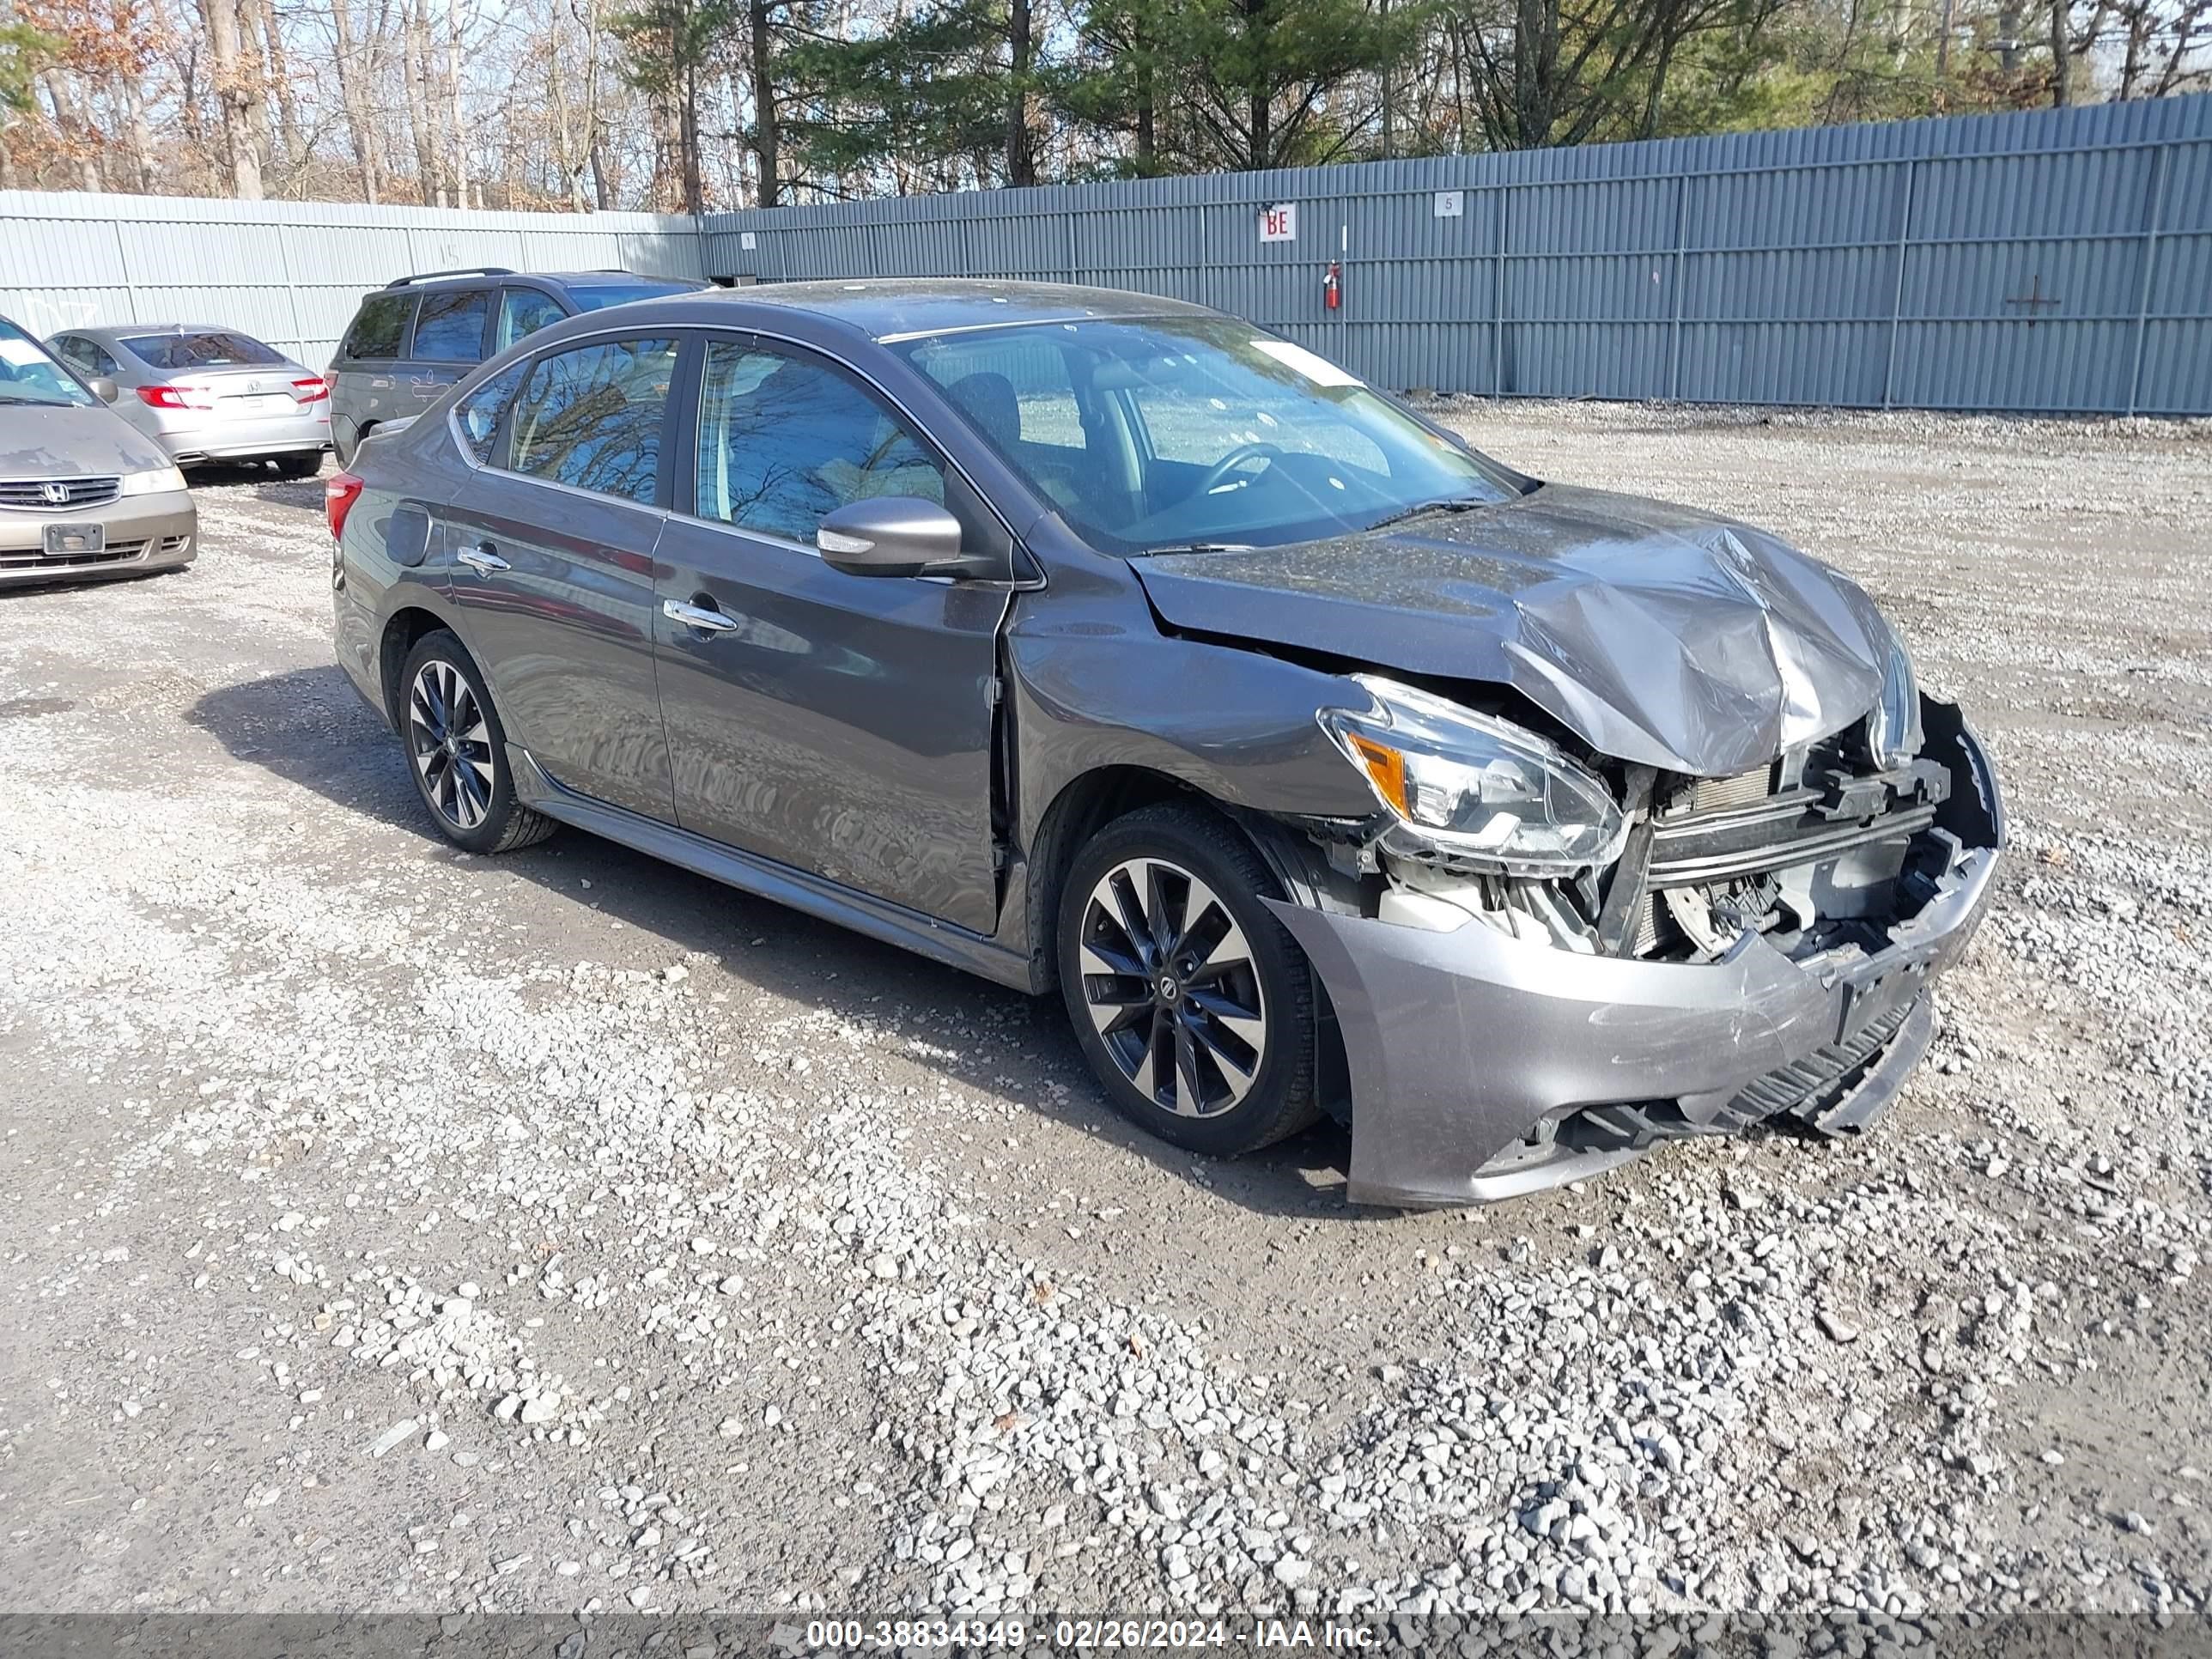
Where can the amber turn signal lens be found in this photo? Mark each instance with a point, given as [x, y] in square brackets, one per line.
[1386, 766]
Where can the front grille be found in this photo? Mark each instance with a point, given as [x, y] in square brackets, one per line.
[73, 492]
[1709, 795]
[1816, 1080]
[1803, 1090]
[113, 553]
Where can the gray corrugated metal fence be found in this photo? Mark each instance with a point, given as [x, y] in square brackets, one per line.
[287, 272]
[2055, 261]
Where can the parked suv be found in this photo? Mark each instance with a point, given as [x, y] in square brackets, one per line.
[1098, 642]
[413, 339]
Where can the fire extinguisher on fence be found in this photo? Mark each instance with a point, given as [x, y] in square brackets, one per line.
[1332, 288]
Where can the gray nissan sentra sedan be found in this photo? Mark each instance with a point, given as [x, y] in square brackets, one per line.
[1098, 642]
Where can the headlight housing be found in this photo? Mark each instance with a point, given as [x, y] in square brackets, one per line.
[153, 482]
[1477, 788]
[1894, 734]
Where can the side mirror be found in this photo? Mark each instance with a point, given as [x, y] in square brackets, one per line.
[103, 388]
[897, 536]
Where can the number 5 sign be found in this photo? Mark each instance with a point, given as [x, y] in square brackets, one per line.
[1279, 223]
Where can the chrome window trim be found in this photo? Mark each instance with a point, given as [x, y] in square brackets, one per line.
[913, 334]
[706, 332]
[598, 337]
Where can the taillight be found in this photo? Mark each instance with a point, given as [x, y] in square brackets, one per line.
[312, 390]
[340, 492]
[163, 397]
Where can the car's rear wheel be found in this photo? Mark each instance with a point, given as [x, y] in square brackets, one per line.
[1193, 1004]
[457, 750]
[299, 466]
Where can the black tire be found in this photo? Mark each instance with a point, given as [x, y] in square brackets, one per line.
[1201, 1108]
[299, 466]
[466, 783]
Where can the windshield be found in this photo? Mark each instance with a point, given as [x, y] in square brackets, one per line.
[28, 375]
[207, 349]
[597, 296]
[1172, 432]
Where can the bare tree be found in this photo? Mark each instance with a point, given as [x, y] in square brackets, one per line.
[576, 128]
[236, 94]
[420, 103]
[357, 72]
[449, 114]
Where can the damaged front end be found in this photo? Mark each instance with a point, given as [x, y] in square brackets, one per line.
[1544, 962]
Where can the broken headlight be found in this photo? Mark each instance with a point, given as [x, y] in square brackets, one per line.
[1477, 788]
[1893, 735]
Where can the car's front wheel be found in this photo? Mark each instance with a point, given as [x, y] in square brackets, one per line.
[458, 751]
[1193, 1004]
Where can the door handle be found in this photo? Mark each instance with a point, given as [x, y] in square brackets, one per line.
[692, 615]
[481, 559]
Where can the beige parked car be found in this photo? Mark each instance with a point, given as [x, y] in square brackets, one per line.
[82, 492]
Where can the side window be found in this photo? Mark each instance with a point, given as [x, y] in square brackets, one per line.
[84, 356]
[522, 313]
[451, 329]
[1016, 390]
[784, 441]
[477, 415]
[381, 327]
[591, 416]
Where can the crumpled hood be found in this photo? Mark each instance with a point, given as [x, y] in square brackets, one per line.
[1658, 635]
[67, 443]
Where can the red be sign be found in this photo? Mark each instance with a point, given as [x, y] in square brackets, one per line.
[1279, 223]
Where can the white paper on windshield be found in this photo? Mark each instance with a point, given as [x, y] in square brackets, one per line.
[21, 353]
[1319, 370]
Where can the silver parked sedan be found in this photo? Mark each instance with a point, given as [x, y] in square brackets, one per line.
[208, 393]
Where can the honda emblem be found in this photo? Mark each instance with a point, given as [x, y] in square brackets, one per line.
[56, 494]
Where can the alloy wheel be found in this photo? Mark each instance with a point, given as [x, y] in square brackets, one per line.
[451, 743]
[1171, 985]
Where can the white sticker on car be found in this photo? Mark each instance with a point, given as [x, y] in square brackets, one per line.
[1319, 370]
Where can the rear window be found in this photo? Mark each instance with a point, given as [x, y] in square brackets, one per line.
[451, 329]
[381, 327]
[211, 349]
[598, 296]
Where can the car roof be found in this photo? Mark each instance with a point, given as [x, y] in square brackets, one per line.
[610, 278]
[141, 331]
[901, 307]
[492, 276]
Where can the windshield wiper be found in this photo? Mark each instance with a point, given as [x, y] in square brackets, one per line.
[1197, 547]
[1421, 509]
[33, 402]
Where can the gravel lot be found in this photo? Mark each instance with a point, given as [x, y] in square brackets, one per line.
[391, 1229]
